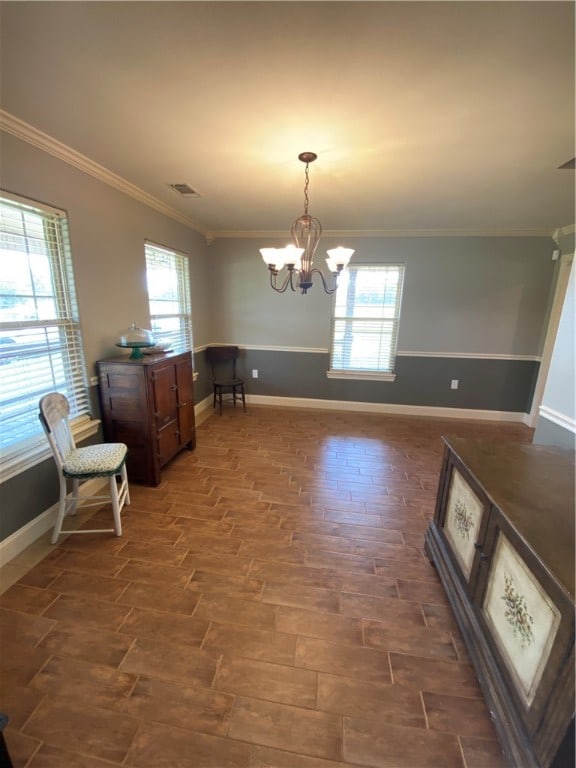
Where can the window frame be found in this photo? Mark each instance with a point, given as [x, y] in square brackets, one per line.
[181, 266]
[33, 448]
[367, 374]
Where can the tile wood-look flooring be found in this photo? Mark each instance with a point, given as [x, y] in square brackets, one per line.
[269, 605]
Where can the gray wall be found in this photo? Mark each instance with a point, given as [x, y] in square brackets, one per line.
[462, 297]
[107, 233]
[474, 295]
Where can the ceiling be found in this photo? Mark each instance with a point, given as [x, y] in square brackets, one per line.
[444, 116]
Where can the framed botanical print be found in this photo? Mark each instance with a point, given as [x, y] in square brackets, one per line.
[522, 618]
[462, 521]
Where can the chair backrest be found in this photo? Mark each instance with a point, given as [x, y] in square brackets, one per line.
[220, 356]
[54, 413]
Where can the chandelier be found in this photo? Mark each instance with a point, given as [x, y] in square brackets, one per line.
[298, 256]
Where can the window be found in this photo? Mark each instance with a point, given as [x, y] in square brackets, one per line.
[366, 320]
[40, 341]
[169, 296]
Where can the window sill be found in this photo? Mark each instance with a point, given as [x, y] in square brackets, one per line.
[35, 450]
[361, 375]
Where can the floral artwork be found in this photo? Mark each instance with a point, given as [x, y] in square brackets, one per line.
[516, 613]
[523, 620]
[463, 519]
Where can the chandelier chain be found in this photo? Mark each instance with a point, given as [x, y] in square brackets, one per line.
[306, 201]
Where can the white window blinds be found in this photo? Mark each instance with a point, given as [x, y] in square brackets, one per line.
[366, 318]
[167, 275]
[40, 340]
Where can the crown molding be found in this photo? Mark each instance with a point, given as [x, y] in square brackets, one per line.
[26, 132]
[22, 130]
[365, 233]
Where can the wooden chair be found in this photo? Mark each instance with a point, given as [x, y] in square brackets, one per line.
[224, 377]
[79, 464]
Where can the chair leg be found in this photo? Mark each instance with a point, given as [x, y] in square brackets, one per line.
[61, 511]
[115, 505]
[75, 494]
[220, 399]
[243, 398]
[125, 486]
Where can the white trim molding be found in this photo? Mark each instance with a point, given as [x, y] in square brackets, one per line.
[201, 409]
[566, 422]
[387, 408]
[26, 132]
[263, 347]
[471, 355]
[400, 353]
[364, 233]
[18, 541]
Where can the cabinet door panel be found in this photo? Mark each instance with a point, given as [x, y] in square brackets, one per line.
[463, 518]
[522, 617]
[528, 620]
[463, 521]
[164, 389]
[186, 419]
[168, 441]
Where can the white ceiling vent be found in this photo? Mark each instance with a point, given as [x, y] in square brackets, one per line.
[184, 189]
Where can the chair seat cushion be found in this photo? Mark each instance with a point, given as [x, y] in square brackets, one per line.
[100, 460]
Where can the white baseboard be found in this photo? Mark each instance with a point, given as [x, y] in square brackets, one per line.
[18, 541]
[390, 408]
[561, 419]
[201, 409]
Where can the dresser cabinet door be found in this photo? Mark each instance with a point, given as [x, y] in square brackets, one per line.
[185, 397]
[529, 622]
[165, 409]
[462, 519]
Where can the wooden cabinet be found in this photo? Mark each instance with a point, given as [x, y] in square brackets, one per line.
[149, 405]
[502, 540]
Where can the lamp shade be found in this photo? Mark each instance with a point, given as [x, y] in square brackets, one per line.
[292, 255]
[273, 257]
[338, 258]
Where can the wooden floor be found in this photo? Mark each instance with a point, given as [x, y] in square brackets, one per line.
[268, 606]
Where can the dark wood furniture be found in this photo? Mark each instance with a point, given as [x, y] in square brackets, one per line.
[502, 540]
[225, 380]
[149, 405]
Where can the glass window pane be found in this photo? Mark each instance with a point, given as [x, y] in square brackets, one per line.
[40, 344]
[366, 318]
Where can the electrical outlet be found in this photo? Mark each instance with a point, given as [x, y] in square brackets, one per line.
[454, 384]
[254, 373]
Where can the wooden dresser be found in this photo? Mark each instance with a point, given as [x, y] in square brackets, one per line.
[149, 405]
[502, 540]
